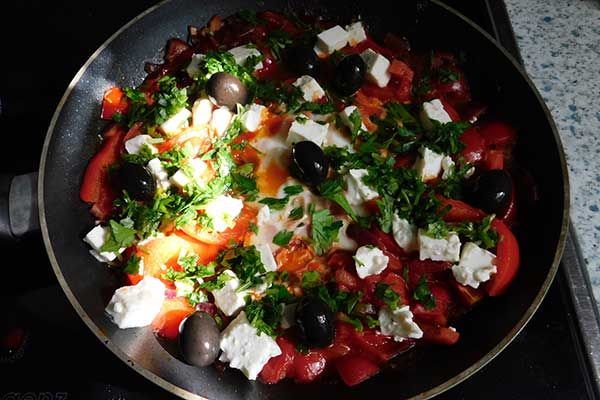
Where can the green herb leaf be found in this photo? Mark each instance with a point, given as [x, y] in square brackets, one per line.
[423, 294]
[277, 41]
[311, 279]
[333, 190]
[133, 265]
[120, 237]
[296, 213]
[324, 229]
[371, 322]
[282, 238]
[386, 294]
[355, 322]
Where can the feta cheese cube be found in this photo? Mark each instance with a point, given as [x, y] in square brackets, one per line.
[377, 67]
[138, 305]
[159, 173]
[201, 112]
[405, 233]
[476, 265]
[331, 40]
[370, 260]
[448, 167]
[345, 117]
[193, 68]
[221, 118]
[445, 249]
[223, 210]
[266, 257]
[399, 324]
[242, 53]
[134, 145]
[434, 111]
[252, 117]
[177, 122]
[357, 191]
[311, 90]
[191, 173]
[345, 242]
[245, 348]
[356, 33]
[428, 164]
[228, 299]
[308, 130]
[96, 238]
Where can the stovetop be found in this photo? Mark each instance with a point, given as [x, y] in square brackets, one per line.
[61, 358]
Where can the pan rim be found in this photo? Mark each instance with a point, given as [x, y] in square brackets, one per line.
[455, 380]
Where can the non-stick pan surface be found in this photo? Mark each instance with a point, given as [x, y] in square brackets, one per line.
[73, 138]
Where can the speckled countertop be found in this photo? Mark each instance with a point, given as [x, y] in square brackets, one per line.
[560, 44]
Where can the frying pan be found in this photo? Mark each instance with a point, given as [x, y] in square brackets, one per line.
[420, 373]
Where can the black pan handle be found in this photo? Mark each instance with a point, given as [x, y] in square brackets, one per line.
[18, 206]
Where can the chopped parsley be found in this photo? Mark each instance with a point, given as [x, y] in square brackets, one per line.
[277, 41]
[132, 267]
[445, 138]
[324, 229]
[310, 279]
[423, 294]
[296, 213]
[217, 283]
[480, 234]
[122, 235]
[282, 238]
[244, 182]
[265, 314]
[385, 293]
[247, 265]
[280, 203]
[332, 190]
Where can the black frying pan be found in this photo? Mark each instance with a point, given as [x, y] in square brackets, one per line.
[72, 139]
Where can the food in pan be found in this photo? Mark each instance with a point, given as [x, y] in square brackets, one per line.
[296, 199]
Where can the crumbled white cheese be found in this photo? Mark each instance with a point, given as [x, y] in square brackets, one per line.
[428, 164]
[448, 167]
[193, 68]
[228, 299]
[223, 210]
[434, 111]
[245, 348]
[310, 88]
[138, 305]
[308, 130]
[96, 238]
[201, 112]
[405, 233]
[377, 67]
[444, 249]
[476, 265]
[221, 118]
[356, 33]
[345, 242]
[357, 191]
[252, 117]
[159, 173]
[177, 122]
[266, 257]
[331, 40]
[135, 144]
[370, 260]
[345, 117]
[191, 173]
[399, 324]
[242, 53]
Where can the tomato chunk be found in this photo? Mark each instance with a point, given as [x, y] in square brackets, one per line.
[507, 260]
[460, 211]
[114, 102]
[308, 367]
[354, 369]
[278, 368]
[474, 149]
[439, 313]
[439, 334]
[496, 133]
[378, 347]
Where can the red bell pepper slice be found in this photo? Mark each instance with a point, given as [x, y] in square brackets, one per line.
[96, 188]
[497, 133]
[278, 368]
[474, 146]
[494, 159]
[507, 260]
[354, 369]
[439, 313]
[460, 211]
[467, 295]
[114, 102]
[377, 347]
[439, 334]
[375, 237]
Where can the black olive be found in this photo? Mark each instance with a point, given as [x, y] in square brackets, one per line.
[302, 60]
[349, 75]
[309, 163]
[315, 320]
[226, 90]
[199, 339]
[491, 191]
[137, 181]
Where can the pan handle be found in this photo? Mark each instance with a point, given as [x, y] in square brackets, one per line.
[18, 206]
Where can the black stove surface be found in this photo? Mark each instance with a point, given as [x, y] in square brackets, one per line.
[61, 358]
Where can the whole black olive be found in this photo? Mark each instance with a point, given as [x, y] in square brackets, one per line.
[199, 339]
[137, 181]
[491, 191]
[226, 90]
[315, 320]
[309, 163]
[302, 60]
[349, 75]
